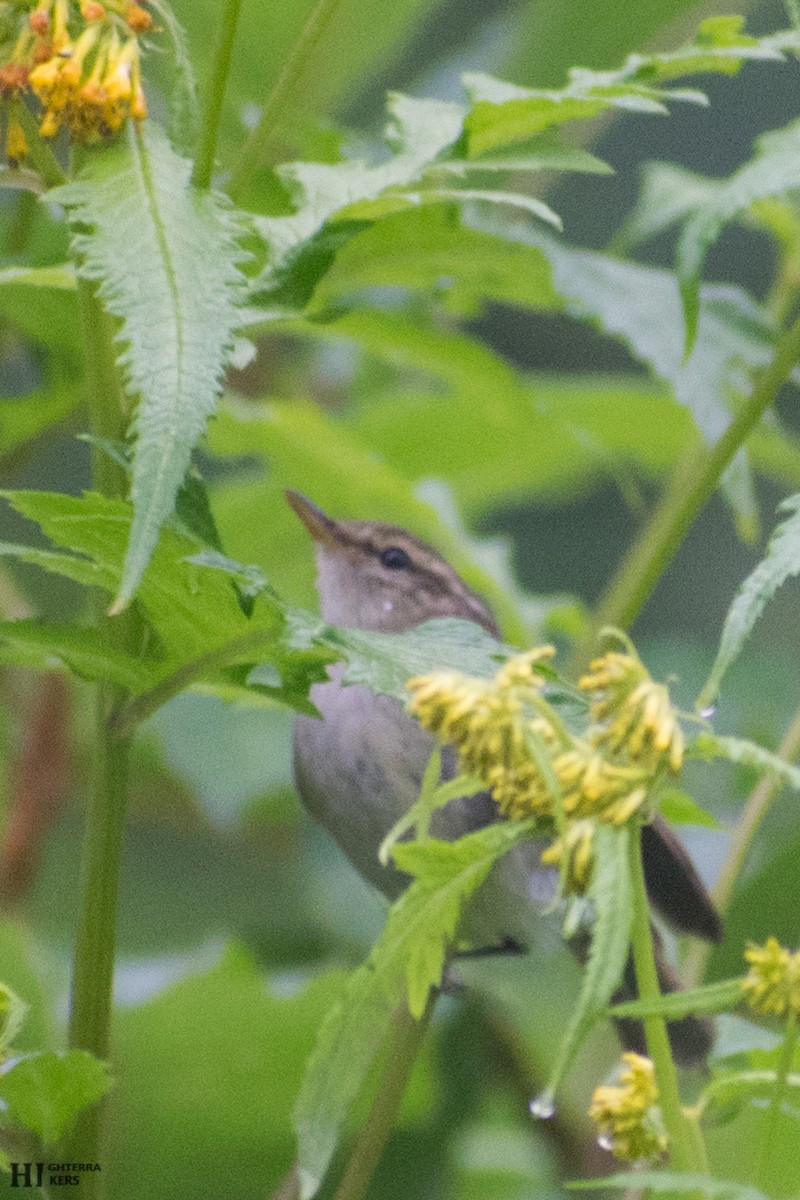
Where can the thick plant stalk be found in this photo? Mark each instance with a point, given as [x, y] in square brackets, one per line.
[93, 970]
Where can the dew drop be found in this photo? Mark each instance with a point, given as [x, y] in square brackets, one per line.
[605, 1142]
[542, 1107]
[708, 712]
[388, 605]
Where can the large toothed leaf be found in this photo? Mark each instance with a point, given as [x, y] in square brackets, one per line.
[164, 258]
[781, 562]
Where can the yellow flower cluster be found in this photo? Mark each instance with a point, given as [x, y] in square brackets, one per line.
[627, 1117]
[80, 59]
[633, 713]
[507, 735]
[772, 985]
[487, 722]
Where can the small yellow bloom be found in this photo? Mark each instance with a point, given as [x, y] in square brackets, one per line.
[627, 1117]
[573, 854]
[772, 986]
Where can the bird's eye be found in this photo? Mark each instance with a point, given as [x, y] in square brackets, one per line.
[395, 559]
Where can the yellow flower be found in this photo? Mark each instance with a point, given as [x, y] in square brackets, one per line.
[772, 986]
[486, 720]
[594, 787]
[634, 715]
[81, 60]
[573, 854]
[627, 1117]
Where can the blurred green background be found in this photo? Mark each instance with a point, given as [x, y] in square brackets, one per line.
[234, 909]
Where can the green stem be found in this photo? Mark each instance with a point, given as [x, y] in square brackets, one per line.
[405, 1040]
[758, 805]
[93, 972]
[692, 484]
[272, 116]
[207, 147]
[772, 1119]
[686, 1151]
[39, 152]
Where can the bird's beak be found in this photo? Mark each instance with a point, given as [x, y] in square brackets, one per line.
[323, 529]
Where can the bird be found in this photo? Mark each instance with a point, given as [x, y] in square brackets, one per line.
[358, 766]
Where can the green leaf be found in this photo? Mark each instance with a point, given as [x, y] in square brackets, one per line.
[668, 194]
[24, 418]
[418, 131]
[192, 611]
[429, 247]
[781, 562]
[503, 113]
[672, 1181]
[714, 997]
[151, 239]
[41, 301]
[681, 809]
[45, 1092]
[409, 955]
[84, 651]
[183, 103]
[347, 1043]
[423, 923]
[774, 170]
[709, 745]
[221, 1119]
[612, 894]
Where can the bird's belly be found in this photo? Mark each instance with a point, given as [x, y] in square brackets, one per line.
[358, 770]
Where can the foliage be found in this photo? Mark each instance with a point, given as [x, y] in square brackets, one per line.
[332, 313]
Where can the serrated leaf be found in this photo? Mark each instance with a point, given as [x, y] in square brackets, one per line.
[423, 923]
[84, 651]
[164, 258]
[712, 998]
[672, 1181]
[773, 171]
[503, 113]
[748, 754]
[45, 1092]
[418, 131]
[409, 955]
[191, 616]
[386, 661]
[612, 893]
[348, 1041]
[781, 562]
